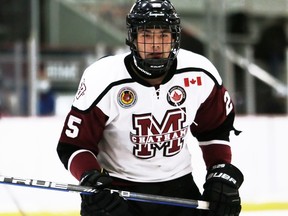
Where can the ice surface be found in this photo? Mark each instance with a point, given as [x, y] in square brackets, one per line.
[265, 213]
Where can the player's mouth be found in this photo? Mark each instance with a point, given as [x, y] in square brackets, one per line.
[155, 55]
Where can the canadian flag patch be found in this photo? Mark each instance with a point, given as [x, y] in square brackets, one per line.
[193, 81]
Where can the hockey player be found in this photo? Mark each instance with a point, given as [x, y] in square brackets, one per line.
[129, 121]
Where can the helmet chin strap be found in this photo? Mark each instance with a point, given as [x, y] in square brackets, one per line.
[157, 70]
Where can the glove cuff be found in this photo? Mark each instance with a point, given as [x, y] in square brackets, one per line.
[96, 179]
[86, 175]
[226, 173]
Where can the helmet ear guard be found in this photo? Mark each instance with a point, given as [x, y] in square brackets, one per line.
[153, 14]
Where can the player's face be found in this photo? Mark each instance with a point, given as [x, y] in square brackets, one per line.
[154, 43]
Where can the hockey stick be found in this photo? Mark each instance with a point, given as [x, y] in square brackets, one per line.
[199, 204]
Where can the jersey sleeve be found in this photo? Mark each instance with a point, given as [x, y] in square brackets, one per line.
[78, 144]
[212, 125]
[83, 127]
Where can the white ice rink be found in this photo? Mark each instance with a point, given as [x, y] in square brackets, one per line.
[265, 213]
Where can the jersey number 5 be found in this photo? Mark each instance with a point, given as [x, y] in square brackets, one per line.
[228, 101]
[73, 129]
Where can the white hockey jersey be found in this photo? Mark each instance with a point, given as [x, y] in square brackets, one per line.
[138, 132]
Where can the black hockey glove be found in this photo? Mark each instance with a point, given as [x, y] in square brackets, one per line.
[102, 203]
[221, 190]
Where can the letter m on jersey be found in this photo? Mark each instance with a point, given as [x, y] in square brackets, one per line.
[151, 137]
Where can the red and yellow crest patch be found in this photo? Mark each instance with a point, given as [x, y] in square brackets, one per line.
[127, 97]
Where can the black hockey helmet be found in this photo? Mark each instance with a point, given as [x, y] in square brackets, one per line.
[147, 14]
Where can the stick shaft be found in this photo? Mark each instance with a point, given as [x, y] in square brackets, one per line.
[89, 190]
